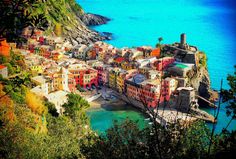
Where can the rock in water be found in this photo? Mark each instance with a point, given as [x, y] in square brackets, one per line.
[93, 19]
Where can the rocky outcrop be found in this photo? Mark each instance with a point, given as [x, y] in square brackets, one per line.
[200, 81]
[66, 18]
[90, 19]
[79, 33]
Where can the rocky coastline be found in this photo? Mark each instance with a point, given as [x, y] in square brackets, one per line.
[80, 33]
[90, 19]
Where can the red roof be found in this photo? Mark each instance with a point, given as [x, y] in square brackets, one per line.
[2, 66]
[119, 59]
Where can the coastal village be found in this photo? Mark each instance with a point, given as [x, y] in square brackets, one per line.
[145, 77]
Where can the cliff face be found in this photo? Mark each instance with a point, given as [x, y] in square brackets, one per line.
[70, 21]
[200, 81]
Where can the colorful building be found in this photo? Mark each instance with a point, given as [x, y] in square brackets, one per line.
[37, 69]
[4, 48]
[122, 76]
[143, 90]
[169, 85]
[103, 73]
[3, 71]
[60, 80]
[162, 63]
[156, 53]
[117, 61]
[84, 75]
[113, 73]
[41, 83]
[71, 83]
[127, 65]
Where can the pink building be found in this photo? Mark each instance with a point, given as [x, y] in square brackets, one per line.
[103, 74]
[84, 75]
[169, 85]
[145, 91]
[71, 83]
[162, 63]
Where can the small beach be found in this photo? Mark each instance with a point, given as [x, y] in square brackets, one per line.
[101, 103]
[102, 113]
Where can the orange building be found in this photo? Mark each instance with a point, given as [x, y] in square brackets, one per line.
[4, 48]
[156, 52]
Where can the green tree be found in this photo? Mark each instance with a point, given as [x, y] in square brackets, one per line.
[51, 108]
[75, 103]
[15, 16]
[126, 140]
[38, 22]
[230, 96]
[160, 39]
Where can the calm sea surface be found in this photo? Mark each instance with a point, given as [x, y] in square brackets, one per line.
[209, 24]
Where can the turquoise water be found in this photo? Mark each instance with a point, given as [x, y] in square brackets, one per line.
[209, 24]
[102, 118]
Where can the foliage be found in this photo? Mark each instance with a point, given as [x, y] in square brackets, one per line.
[38, 22]
[15, 15]
[225, 146]
[125, 140]
[34, 103]
[202, 59]
[6, 107]
[158, 45]
[58, 29]
[3, 59]
[229, 95]
[51, 108]
[75, 103]
[34, 136]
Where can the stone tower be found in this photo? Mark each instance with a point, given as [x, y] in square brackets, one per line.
[183, 39]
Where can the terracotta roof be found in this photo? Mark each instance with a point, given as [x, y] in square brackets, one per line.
[2, 66]
[119, 59]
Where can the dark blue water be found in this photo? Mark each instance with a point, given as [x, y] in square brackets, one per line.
[209, 24]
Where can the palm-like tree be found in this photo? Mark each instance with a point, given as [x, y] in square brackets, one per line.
[160, 39]
[38, 22]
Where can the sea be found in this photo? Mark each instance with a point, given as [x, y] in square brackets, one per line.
[209, 24]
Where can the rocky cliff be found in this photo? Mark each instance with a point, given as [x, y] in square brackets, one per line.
[66, 18]
[90, 19]
[200, 80]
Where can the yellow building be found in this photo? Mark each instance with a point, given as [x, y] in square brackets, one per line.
[126, 65]
[60, 80]
[122, 76]
[113, 77]
[37, 69]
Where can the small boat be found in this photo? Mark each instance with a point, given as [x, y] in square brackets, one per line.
[147, 119]
[150, 123]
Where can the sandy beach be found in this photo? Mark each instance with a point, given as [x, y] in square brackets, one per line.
[100, 102]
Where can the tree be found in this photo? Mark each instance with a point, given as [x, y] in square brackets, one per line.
[122, 140]
[230, 95]
[34, 103]
[75, 103]
[15, 15]
[51, 108]
[38, 22]
[126, 140]
[160, 39]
